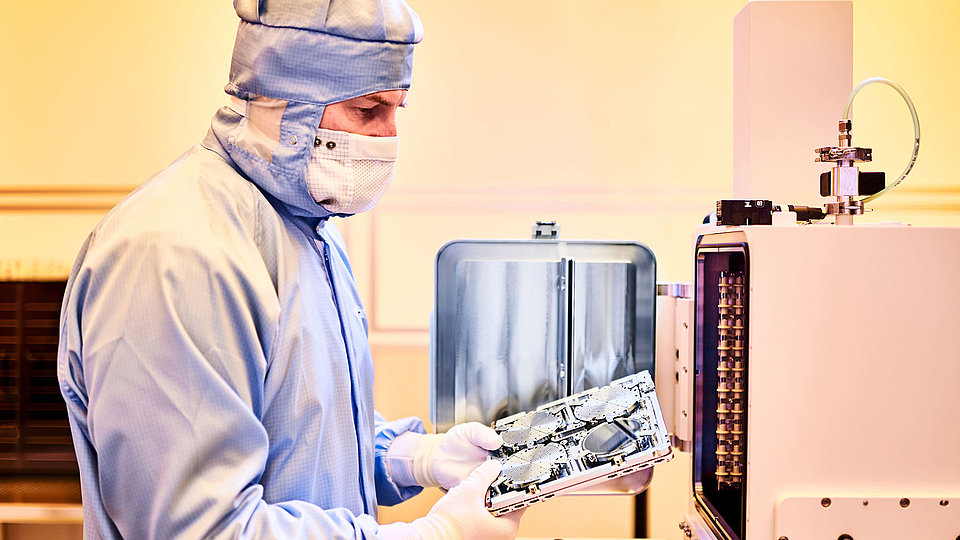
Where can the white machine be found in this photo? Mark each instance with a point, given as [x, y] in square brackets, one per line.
[818, 386]
[825, 393]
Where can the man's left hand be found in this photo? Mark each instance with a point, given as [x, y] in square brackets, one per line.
[441, 460]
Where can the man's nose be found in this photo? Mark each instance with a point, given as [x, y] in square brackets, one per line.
[387, 128]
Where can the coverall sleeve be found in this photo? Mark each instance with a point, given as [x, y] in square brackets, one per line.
[176, 343]
[388, 492]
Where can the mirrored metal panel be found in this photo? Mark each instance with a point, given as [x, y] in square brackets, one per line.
[604, 329]
[506, 337]
[521, 323]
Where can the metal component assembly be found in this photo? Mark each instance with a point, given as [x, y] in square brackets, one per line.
[835, 154]
[591, 437]
[843, 180]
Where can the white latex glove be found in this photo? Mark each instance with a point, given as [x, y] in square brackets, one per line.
[460, 514]
[440, 460]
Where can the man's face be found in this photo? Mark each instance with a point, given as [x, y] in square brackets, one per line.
[373, 114]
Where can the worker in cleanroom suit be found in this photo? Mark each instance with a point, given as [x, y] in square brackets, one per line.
[213, 353]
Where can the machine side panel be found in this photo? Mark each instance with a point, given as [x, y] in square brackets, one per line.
[854, 365]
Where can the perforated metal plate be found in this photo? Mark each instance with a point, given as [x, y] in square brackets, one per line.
[533, 464]
[532, 428]
[607, 402]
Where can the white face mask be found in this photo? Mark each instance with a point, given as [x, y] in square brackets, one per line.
[348, 173]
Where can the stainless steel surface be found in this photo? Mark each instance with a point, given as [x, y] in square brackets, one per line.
[845, 206]
[845, 181]
[675, 289]
[604, 326]
[507, 342]
[522, 323]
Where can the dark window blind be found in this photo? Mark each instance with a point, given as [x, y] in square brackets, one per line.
[34, 433]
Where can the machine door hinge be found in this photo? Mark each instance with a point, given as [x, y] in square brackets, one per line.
[674, 373]
[683, 407]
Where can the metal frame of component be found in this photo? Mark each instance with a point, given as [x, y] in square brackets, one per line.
[595, 436]
[720, 390]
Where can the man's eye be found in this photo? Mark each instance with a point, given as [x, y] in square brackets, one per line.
[366, 111]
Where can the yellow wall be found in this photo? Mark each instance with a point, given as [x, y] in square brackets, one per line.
[612, 116]
[519, 110]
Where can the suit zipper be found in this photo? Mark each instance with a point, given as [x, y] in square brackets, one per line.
[325, 253]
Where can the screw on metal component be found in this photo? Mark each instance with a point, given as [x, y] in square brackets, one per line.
[904, 502]
[944, 502]
[825, 502]
[866, 502]
[844, 536]
[783, 538]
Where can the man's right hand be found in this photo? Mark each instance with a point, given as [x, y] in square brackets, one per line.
[461, 514]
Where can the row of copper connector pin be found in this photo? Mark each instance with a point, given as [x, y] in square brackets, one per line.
[730, 383]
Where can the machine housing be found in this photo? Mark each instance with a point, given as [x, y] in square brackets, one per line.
[826, 385]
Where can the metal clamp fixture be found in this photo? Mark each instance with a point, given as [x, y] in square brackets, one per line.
[546, 230]
[844, 181]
